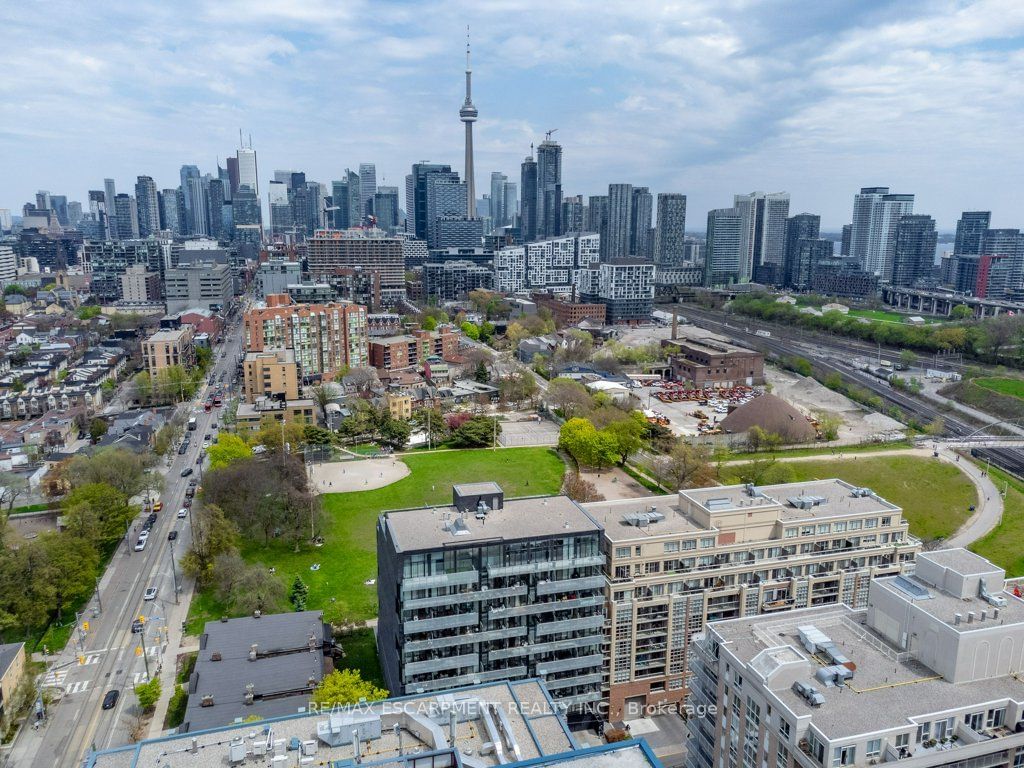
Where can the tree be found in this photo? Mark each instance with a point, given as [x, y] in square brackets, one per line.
[577, 488]
[627, 435]
[686, 466]
[760, 440]
[148, 694]
[518, 386]
[257, 590]
[298, 594]
[961, 312]
[477, 432]
[97, 429]
[829, 424]
[570, 397]
[907, 358]
[213, 535]
[935, 427]
[764, 471]
[471, 330]
[346, 686]
[12, 486]
[429, 323]
[228, 448]
[481, 375]
[323, 395]
[69, 570]
[362, 379]
[88, 312]
[97, 513]
[587, 446]
[117, 467]
[576, 347]
[394, 433]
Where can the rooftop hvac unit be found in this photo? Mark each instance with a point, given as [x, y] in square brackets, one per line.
[860, 493]
[308, 748]
[236, 752]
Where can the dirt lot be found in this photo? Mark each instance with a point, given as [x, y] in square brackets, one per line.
[808, 396]
[359, 475]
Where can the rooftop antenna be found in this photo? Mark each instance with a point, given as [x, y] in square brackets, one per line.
[250, 141]
[241, 142]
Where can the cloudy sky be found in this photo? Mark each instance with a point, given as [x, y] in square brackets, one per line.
[816, 97]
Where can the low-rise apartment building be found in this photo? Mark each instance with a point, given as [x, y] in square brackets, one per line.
[491, 589]
[169, 347]
[926, 676]
[251, 416]
[395, 353]
[272, 374]
[677, 562]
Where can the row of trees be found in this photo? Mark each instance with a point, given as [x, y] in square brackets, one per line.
[42, 579]
[173, 383]
[997, 339]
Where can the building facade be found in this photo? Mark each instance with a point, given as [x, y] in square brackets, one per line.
[491, 589]
[198, 284]
[396, 353]
[452, 280]
[705, 362]
[168, 348]
[272, 373]
[369, 249]
[552, 265]
[625, 287]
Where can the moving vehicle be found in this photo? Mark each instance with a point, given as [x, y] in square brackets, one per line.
[186, 471]
[171, 536]
[183, 448]
[158, 506]
[217, 402]
[207, 406]
[141, 543]
[763, 334]
[110, 699]
[192, 424]
[182, 513]
[150, 594]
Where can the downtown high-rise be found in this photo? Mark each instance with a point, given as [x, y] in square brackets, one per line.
[670, 234]
[876, 213]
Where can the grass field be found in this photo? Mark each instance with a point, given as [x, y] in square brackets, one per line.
[1004, 386]
[934, 514]
[823, 450]
[349, 556]
[1002, 545]
[888, 317]
[360, 647]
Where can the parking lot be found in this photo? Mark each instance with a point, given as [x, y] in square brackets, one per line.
[684, 415]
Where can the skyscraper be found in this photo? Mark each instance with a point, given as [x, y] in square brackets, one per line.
[572, 215]
[873, 232]
[248, 175]
[420, 173]
[215, 207]
[549, 188]
[385, 208]
[670, 237]
[355, 201]
[110, 208]
[722, 253]
[640, 244]
[232, 164]
[762, 233]
[188, 173]
[528, 209]
[970, 230]
[196, 197]
[446, 199]
[597, 220]
[914, 250]
[803, 226]
[367, 186]
[148, 206]
[497, 210]
[280, 208]
[511, 202]
[127, 217]
[620, 219]
[468, 115]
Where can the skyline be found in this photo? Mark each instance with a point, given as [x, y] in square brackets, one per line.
[707, 102]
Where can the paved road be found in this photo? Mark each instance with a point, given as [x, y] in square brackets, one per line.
[77, 722]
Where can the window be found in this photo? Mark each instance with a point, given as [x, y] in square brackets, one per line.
[843, 756]
[855, 525]
[995, 717]
[690, 544]
[838, 527]
[707, 542]
[871, 522]
[974, 720]
[784, 728]
[622, 551]
[816, 747]
[791, 533]
[807, 530]
[886, 521]
[874, 747]
[823, 528]
[637, 550]
[654, 567]
[671, 546]
[782, 757]
[622, 572]
[902, 740]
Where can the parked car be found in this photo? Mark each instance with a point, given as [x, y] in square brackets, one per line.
[110, 699]
[182, 513]
[140, 544]
[150, 594]
[152, 517]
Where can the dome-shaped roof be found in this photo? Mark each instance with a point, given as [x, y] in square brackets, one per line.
[772, 414]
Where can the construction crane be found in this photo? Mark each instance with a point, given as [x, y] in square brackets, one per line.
[547, 134]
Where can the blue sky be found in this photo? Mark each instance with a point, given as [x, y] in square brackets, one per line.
[817, 98]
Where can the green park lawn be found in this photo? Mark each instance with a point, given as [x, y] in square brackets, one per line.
[888, 317]
[1004, 386]
[935, 496]
[1002, 545]
[824, 450]
[349, 556]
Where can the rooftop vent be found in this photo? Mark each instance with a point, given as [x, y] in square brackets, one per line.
[718, 504]
[808, 693]
[456, 526]
[913, 589]
[206, 700]
[860, 493]
[641, 519]
[997, 600]
[806, 501]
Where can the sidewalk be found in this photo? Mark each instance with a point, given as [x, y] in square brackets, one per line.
[169, 652]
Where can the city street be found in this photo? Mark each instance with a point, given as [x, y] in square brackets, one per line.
[112, 654]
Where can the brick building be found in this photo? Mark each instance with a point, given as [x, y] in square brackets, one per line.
[272, 374]
[394, 353]
[704, 361]
[325, 338]
[570, 312]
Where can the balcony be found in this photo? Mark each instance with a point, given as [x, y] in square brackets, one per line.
[570, 625]
[593, 660]
[440, 663]
[501, 612]
[544, 567]
[509, 653]
[577, 643]
[440, 580]
[570, 585]
[578, 699]
[464, 639]
[567, 682]
[438, 683]
[441, 623]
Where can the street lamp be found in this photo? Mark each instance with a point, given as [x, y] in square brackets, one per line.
[174, 572]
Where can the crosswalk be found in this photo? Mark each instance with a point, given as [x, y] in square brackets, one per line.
[77, 687]
[55, 678]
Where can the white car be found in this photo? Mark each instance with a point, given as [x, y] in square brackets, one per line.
[140, 544]
[150, 594]
[182, 513]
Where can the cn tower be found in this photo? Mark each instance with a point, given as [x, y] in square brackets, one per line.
[468, 115]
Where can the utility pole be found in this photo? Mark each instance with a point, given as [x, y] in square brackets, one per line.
[99, 601]
[174, 573]
[145, 656]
